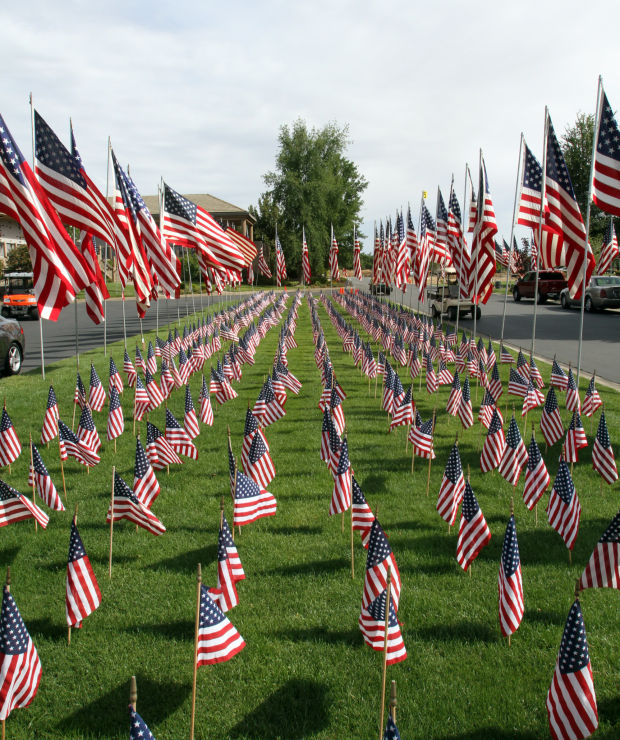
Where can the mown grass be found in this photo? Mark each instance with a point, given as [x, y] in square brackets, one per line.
[305, 672]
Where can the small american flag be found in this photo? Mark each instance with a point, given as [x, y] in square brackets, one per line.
[71, 445]
[49, 431]
[514, 456]
[551, 420]
[474, 533]
[130, 370]
[592, 400]
[125, 505]
[509, 583]
[465, 411]
[39, 477]
[421, 438]
[87, 432]
[380, 558]
[609, 248]
[141, 401]
[10, 447]
[564, 509]
[341, 495]
[178, 438]
[20, 667]
[558, 377]
[138, 729]
[116, 421]
[225, 594]
[536, 476]
[361, 513]
[571, 702]
[96, 394]
[372, 625]
[454, 399]
[452, 487]
[603, 460]
[572, 394]
[145, 484]
[258, 463]
[603, 568]
[531, 188]
[158, 450]
[82, 593]
[494, 444]
[218, 640]
[251, 501]
[115, 377]
[190, 420]
[15, 507]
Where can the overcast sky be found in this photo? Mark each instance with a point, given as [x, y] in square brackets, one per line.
[196, 91]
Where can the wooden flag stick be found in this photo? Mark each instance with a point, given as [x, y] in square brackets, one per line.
[36, 528]
[412, 457]
[197, 624]
[62, 467]
[430, 459]
[111, 522]
[385, 649]
[393, 701]
[133, 693]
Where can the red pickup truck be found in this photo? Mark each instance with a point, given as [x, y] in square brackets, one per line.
[550, 285]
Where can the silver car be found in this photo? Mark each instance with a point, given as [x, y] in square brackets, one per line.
[12, 346]
[603, 291]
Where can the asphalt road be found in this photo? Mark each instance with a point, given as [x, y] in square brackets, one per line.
[59, 336]
[557, 332]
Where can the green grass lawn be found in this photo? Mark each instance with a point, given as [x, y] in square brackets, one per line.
[305, 672]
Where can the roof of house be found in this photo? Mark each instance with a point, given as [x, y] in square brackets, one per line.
[215, 206]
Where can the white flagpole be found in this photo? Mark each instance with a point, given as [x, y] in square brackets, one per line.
[512, 231]
[597, 124]
[331, 241]
[303, 241]
[481, 214]
[105, 266]
[419, 236]
[33, 170]
[543, 186]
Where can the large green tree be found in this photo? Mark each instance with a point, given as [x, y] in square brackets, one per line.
[313, 185]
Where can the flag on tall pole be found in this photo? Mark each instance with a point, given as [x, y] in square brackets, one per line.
[305, 257]
[280, 262]
[333, 257]
[483, 241]
[357, 265]
[606, 180]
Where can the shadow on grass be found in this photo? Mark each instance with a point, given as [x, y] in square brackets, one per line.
[409, 525]
[313, 568]
[47, 629]
[299, 709]
[373, 483]
[321, 634]
[491, 733]
[180, 630]
[186, 562]
[462, 632]
[8, 555]
[303, 529]
[157, 700]
[544, 616]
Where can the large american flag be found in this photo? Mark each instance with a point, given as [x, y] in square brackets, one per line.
[606, 181]
[376, 259]
[426, 243]
[357, 266]
[187, 224]
[565, 217]
[442, 220]
[82, 593]
[457, 244]
[58, 266]
[603, 568]
[20, 667]
[531, 188]
[261, 263]
[333, 258]
[509, 583]
[571, 702]
[280, 262]
[305, 258]
[483, 241]
[403, 265]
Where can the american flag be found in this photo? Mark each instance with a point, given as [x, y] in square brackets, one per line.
[505, 357]
[82, 592]
[58, 266]
[20, 667]
[421, 437]
[327, 430]
[246, 246]
[606, 181]
[483, 242]
[403, 414]
[15, 507]
[592, 400]
[178, 438]
[452, 487]
[391, 731]
[305, 258]
[454, 399]
[141, 401]
[234, 561]
[609, 248]
[258, 463]
[125, 505]
[185, 368]
[49, 431]
[40, 479]
[575, 439]
[218, 640]
[153, 391]
[432, 384]
[402, 266]
[377, 259]
[441, 220]
[87, 432]
[509, 582]
[531, 187]
[372, 625]
[262, 265]
[380, 558]
[335, 404]
[487, 407]
[79, 394]
[280, 262]
[225, 593]
[96, 394]
[494, 445]
[138, 729]
[72, 193]
[115, 377]
[206, 411]
[564, 509]
[361, 513]
[465, 411]
[535, 375]
[116, 421]
[251, 501]
[341, 494]
[190, 420]
[129, 370]
[565, 217]
[426, 243]
[551, 420]
[603, 568]
[95, 293]
[603, 460]
[71, 445]
[474, 533]
[536, 476]
[187, 224]
[10, 447]
[357, 265]
[151, 360]
[571, 702]
[517, 384]
[514, 456]
[145, 485]
[333, 258]
[158, 450]
[532, 399]
[558, 377]
[459, 251]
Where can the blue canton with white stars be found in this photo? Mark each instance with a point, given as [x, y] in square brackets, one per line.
[510, 549]
[574, 646]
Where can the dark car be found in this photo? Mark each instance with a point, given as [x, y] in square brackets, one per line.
[380, 289]
[12, 346]
[550, 285]
[603, 291]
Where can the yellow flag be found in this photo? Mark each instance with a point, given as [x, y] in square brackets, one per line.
[424, 194]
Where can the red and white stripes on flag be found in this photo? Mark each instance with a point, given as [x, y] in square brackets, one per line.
[603, 568]
[305, 258]
[357, 265]
[95, 293]
[15, 507]
[509, 583]
[40, 479]
[10, 446]
[82, 593]
[474, 533]
[483, 242]
[606, 175]
[609, 248]
[564, 509]
[218, 640]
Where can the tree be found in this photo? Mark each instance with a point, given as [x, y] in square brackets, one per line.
[577, 149]
[18, 260]
[313, 185]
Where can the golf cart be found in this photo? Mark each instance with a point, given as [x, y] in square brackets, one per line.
[18, 296]
[444, 299]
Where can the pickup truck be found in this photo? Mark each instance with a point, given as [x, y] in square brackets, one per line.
[550, 284]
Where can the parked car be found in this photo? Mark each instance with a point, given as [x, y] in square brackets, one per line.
[12, 345]
[603, 291]
[18, 299]
[550, 284]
